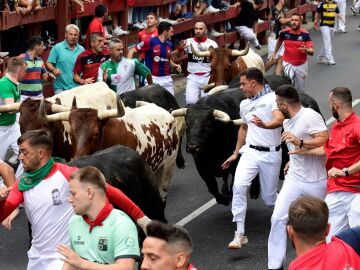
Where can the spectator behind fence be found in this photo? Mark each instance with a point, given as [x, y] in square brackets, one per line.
[62, 59]
[32, 86]
[88, 62]
[307, 228]
[166, 247]
[99, 234]
[246, 20]
[118, 72]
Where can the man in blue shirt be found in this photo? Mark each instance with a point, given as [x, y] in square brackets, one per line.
[62, 59]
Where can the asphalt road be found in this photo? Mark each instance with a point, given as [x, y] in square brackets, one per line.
[212, 230]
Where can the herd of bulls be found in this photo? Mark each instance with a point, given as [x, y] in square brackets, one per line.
[135, 139]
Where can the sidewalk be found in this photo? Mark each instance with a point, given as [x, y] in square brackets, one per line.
[180, 80]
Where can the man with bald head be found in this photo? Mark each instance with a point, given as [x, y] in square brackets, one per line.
[198, 67]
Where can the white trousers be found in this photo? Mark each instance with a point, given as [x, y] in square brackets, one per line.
[8, 138]
[194, 87]
[299, 73]
[164, 81]
[339, 25]
[252, 162]
[23, 97]
[327, 34]
[343, 207]
[248, 34]
[45, 264]
[291, 190]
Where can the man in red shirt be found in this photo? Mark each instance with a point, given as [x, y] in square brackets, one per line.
[298, 45]
[145, 35]
[342, 151]
[88, 62]
[308, 227]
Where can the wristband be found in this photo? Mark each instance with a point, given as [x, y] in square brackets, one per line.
[301, 143]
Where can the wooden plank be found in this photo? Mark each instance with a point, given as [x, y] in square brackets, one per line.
[290, 12]
[303, 8]
[11, 19]
[149, 3]
[261, 27]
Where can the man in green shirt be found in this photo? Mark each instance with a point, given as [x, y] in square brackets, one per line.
[99, 235]
[9, 94]
[119, 72]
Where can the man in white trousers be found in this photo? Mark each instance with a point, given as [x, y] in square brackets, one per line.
[198, 67]
[341, 24]
[9, 94]
[342, 151]
[298, 45]
[261, 130]
[326, 14]
[305, 175]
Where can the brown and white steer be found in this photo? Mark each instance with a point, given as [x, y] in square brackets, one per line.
[149, 129]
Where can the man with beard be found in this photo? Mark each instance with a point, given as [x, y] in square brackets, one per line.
[259, 139]
[49, 220]
[62, 59]
[298, 45]
[342, 151]
[198, 67]
[304, 175]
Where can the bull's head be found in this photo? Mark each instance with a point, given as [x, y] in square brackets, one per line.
[86, 126]
[222, 64]
[200, 123]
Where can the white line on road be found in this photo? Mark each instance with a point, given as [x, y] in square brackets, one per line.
[212, 202]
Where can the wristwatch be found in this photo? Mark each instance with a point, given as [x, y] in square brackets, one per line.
[346, 171]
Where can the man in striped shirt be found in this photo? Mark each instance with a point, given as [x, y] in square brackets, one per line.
[327, 12]
[31, 86]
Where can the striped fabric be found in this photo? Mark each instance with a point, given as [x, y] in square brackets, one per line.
[327, 11]
[32, 83]
[263, 92]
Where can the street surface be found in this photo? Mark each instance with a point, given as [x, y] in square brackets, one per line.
[213, 230]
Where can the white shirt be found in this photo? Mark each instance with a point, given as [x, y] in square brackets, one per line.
[305, 168]
[199, 64]
[263, 108]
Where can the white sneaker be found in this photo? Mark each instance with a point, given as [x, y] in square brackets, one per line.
[216, 33]
[211, 9]
[239, 240]
[139, 25]
[119, 32]
[332, 62]
[260, 21]
[321, 59]
[3, 54]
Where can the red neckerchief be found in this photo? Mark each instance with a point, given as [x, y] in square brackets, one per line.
[200, 40]
[103, 214]
[191, 267]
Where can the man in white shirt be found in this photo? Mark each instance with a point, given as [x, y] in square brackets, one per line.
[198, 67]
[261, 131]
[305, 174]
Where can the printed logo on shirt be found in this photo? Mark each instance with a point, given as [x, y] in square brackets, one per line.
[300, 38]
[129, 242]
[116, 78]
[78, 242]
[103, 244]
[255, 108]
[55, 194]
[158, 59]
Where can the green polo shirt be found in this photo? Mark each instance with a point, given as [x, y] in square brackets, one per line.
[63, 58]
[116, 239]
[8, 89]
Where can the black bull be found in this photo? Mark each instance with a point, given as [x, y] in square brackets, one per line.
[211, 142]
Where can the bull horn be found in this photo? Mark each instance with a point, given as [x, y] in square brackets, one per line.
[140, 103]
[61, 116]
[179, 112]
[55, 108]
[242, 52]
[208, 87]
[237, 122]
[218, 89]
[120, 107]
[199, 54]
[221, 116]
[103, 114]
[14, 107]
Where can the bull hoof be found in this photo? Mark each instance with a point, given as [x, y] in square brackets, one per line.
[223, 200]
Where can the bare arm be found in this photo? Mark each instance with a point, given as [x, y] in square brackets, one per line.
[239, 143]
[318, 151]
[131, 53]
[275, 122]
[7, 173]
[318, 139]
[79, 80]
[335, 172]
[53, 69]
[149, 79]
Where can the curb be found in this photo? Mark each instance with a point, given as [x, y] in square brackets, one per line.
[180, 79]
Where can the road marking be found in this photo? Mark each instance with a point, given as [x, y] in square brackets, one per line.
[212, 202]
[332, 119]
